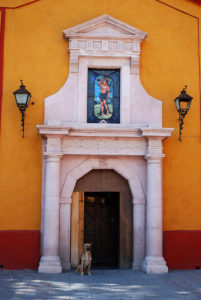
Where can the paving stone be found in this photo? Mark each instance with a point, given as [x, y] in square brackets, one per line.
[102, 284]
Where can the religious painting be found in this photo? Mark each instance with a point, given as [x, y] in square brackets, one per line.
[103, 96]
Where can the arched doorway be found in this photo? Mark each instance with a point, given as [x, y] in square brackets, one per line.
[102, 206]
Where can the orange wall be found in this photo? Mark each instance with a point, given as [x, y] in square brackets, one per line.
[36, 52]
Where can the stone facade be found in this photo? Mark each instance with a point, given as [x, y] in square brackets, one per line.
[132, 148]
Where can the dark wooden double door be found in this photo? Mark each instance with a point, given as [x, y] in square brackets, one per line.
[101, 227]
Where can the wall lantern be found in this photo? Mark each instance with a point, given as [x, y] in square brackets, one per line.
[183, 103]
[22, 97]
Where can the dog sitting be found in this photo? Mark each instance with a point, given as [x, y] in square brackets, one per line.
[85, 260]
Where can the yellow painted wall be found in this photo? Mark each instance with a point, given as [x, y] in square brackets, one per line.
[36, 52]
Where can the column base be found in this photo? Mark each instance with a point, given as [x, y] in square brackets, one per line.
[153, 264]
[136, 266]
[66, 265]
[50, 264]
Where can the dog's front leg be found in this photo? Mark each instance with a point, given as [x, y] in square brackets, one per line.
[82, 267]
[89, 268]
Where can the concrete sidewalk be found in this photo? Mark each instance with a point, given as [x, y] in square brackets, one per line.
[102, 284]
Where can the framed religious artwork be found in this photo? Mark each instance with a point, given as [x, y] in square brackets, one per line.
[103, 96]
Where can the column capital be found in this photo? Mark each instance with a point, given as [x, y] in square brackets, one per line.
[154, 157]
[53, 156]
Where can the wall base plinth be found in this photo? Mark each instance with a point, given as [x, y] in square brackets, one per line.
[50, 264]
[152, 264]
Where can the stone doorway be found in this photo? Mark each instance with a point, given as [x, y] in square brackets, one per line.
[72, 148]
[105, 183]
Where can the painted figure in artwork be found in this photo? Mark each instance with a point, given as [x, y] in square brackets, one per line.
[104, 95]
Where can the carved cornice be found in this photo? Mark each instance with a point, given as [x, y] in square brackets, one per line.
[89, 130]
[104, 139]
[96, 28]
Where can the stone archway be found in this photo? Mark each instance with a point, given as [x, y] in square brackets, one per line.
[115, 164]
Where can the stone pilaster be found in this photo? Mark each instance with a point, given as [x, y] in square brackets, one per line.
[154, 261]
[50, 261]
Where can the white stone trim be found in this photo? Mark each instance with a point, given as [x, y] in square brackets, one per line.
[139, 202]
[95, 163]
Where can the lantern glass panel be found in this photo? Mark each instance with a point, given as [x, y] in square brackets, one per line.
[189, 104]
[21, 98]
[177, 103]
[28, 99]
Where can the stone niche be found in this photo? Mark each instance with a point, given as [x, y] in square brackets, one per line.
[72, 147]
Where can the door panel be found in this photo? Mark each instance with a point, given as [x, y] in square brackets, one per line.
[101, 227]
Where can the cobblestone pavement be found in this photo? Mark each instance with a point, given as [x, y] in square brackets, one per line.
[102, 284]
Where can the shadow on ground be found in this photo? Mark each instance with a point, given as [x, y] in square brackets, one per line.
[102, 284]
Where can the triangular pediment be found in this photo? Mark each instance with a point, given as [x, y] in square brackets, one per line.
[104, 26]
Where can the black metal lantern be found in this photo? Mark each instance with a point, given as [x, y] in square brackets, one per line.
[183, 103]
[22, 97]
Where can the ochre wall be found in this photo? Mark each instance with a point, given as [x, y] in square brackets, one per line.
[35, 51]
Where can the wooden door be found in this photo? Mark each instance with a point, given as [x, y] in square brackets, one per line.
[107, 181]
[101, 227]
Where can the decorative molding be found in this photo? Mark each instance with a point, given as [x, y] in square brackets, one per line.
[104, 36]
[97, 28]
[52, 130]
[90, 130]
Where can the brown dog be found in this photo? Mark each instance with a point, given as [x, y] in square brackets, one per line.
[85, 260]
